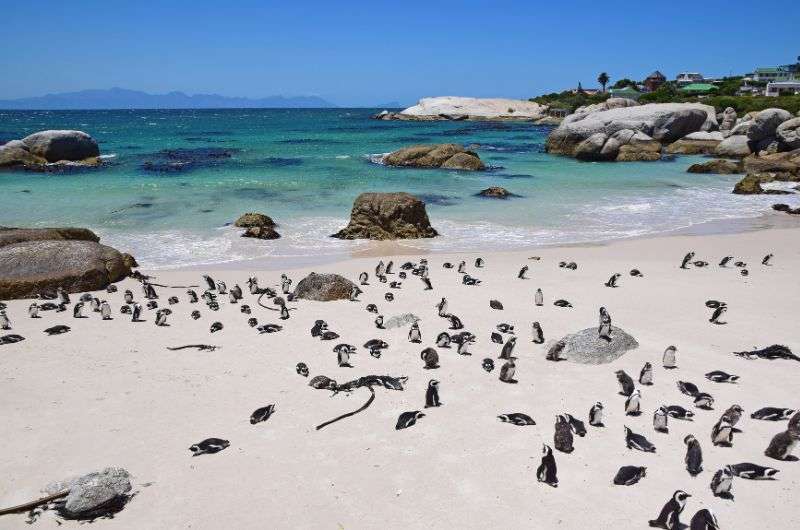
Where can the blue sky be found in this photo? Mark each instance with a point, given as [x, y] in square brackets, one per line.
[367, 53]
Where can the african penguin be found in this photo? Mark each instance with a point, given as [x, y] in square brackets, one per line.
[408, 419]
[612, 282]
[782, 445]
[161, 317]
[522, 272]
[660, 420]
[718, 376]
[669, 518]
[519, 419]
[302, 369]
[722, 482]
[538, 298]
[443, 340]
[431, 358]
[632, 404]
[379, 322]
[704, 519]
[625, 383]
[216, 326]
[554, 352]
[750, 471]
[432, 394]
[596, 415]
[5, 323]
[488, 365]
[669, 360]
[694, 455]
[77, 310]
[136, 313]
[629, 475]
[766, 260]
[646, 375]
[724, 261]
[576, 425]
[33, 310]
[507, 372]
[638, 442]
[562, 438]
[680, 413]
[363, 278]
[508, 348]
[105, 310]
[547, 472]
[262, 414]
[772, 414]
[538, 334]
[209, 446]
[686, 260]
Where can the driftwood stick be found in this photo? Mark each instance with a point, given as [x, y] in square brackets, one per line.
[201, 347]
[343, 416]
[34, 504]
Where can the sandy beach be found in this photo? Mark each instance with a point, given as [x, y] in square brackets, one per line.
[109, 393]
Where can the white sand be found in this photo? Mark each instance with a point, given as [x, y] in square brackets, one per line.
[109, 393]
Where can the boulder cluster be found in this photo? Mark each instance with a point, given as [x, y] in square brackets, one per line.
[50, 149]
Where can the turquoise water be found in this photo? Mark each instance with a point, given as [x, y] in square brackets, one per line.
[305, 167]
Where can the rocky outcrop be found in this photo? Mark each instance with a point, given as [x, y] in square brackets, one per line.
[751, 184]
[37, 151]
[788, 134]
[788, 162]
[584, 135]
[384, 216]
[9, 236]
[252, 219]
[586, 347]
[610, 103]
[323, 288]
[786, 208]
[445, 156]
[727, 119]
[735, 146]
[697, 143]
[33, 267]
[719, 167]
[463, 108]
[495, 192]
[765, 123]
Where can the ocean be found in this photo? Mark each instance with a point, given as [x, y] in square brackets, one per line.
[175, 180]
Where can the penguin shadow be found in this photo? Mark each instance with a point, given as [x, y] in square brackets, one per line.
[607, 339]
[634, 413]
[728, 496]
[791, 458]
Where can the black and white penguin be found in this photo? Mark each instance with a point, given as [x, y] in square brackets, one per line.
[152, 304]
[547, 472]
[252, 322]
[554, 351]
[507, 372]
[372, 308]
[302, 369]
[63, 297]
[77, 310]
[772, 414]
[210, 283]
[245, 309]
[269, 328]
[724, 261]
[679, 413]
[718, 376]
[505, 328]
[750, 471]
[718, 312]
[596, 415]
[522, 272]
[704, 401]
[686, 260]
[722, 483]
[638, 442]
[262, 414]
[488, 365]
[379, 322]
[432, 394]
[463, 347]
[562, 438]
[455, 322]
[612, 282]
[462, 267]
[632, 404]
[318, 327]
[519, 419]
[172, 300]
[508, 348]
[284, 313]
[363, 278]
[57, 330]
[209, 446]
[195, 314]
[232, 297]
[669, 360]
[380, 269]
[688, 388]
[349, 348]
[496, 338]
[343, 357]
[782, 445]
[252, 285]
[216, 326]
[161, 317]
[375, 346]
[646, 375]
[136, 312]
[105, 310]
[443, 340]
[388, 297]
[469, 280]
[625, 383]
[629, 475]
[430, 357]
[236, 291]
[704, 519]
[222, 288]
[5, 323]
[766, 260]
[427, 282]
[354, 292]
[694, 455]
[669, 518]
[33, 310]
[576, 425]
[538, 334]
[496, 304]
[538, 298]
[389, 267]
[442, 307]
[604, 325]
[128, 296]
[408, 419]
[660, 420]
[286, 284]
[479, 263]
[562, 303]
[636, 273]
[192, 296]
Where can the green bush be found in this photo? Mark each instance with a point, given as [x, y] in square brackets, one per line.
[569, 100]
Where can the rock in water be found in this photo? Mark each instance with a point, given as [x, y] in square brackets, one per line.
[586, 347]
[62, 145]
[252, 219]
[720, 167]
[323, 287]
[261, 232]
[89, 493]
[387, 216]
[464, 108]
[446, 156]
[496, 192]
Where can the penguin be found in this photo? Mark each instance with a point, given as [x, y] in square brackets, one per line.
[414, 334]
[245, 309]
[462, 267]
[562, 303]
[505, 328]
[431, 358]
[479, 263]
[744, 272]
[222, 288]
[443, 340]
[380, 269]
[209, 446]
[522, 272]
[94, 305]
[704, 401]
[136, 313]
[329, 335]
[488, 365]
[724, 262]
[680, 413]
[629, 475]
[547, 472]
[612, 282]
[343, 357]
[210, 282]
[442, 307]
[77, 310]
[646, 375]
[700, 263]
[625, 383]
[495, 304]
[379, 322]
[636, 273]
[632, 404]
[596, 415]
[318, 327]
[128, 296]
[252, 322]
[389, 267]
[740, 264]
[372, 308]
[262, 414]
[408, 419]
[660, 420]
[576, 425]
[519, 419]
[669, 518]
[388, 297]
[538, 298]
[469, 280]
[161, 317]
[686, 260]
[269, 328]
[152, 304]
[172, 300]
[733, 414]
[375, 346]
[63, 297]
[772, 414]
[105, 310]
[57, 330]
[496, 338]
[766, 260]
[33, 310]
[354, 292]
[427, 282]
[455, 322]
[782, 445]
[5, 323]
[286, 284]
[11, 339]
[195, 314]
[554, 352]
[722, 482]
[252, 285]
[562, 439]
[669, 360]
[687, 388]
[508, 348]
[722, 433]
[750, 471]
[232, 297]
[718, 312]
[125, 310]
[507, 372]
[704, 520]
[604, 325]
[216, 326]
[432, 394]
[302, 369]
[236, 291]
[638, 442]
[718, 376]
[538, 335]
[694, 455]
[463, 348]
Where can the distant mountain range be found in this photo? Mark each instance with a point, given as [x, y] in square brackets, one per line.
[120, 98]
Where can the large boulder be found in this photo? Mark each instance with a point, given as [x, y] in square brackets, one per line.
[15, 153]
[586, 346]
[323, 288]
[788, 134]
[33, 267]
[718, 166]
[610, 103]
[662, 122]
[447, 156]
[773, 163]
[62, 145]
[91, 493]
[396, 215]
[461, 108]
[697, 143]
[252, 219]
[736, 146]
[766, 122]
[9, 236]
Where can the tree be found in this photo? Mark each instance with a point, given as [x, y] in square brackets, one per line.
[603, 80]
[622, 83]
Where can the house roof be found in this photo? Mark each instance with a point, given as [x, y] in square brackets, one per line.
[656, 74]
[624, 90]
[699, 87]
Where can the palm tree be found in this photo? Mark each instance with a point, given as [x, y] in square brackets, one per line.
[603, 80]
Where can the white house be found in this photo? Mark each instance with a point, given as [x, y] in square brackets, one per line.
[783, 88]
[687, 78]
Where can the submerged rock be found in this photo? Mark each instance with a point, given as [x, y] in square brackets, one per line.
[323, 287]
[446, 156]
[387, 216]
[252, 219]
[586, 347]
[719, 166]
[180, 160]
[495, 192]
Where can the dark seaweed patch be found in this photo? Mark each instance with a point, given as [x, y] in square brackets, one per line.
[181, 160]
[275, 161]
[439, 200]
[307, 141]
[515, 176]
[254, 193]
